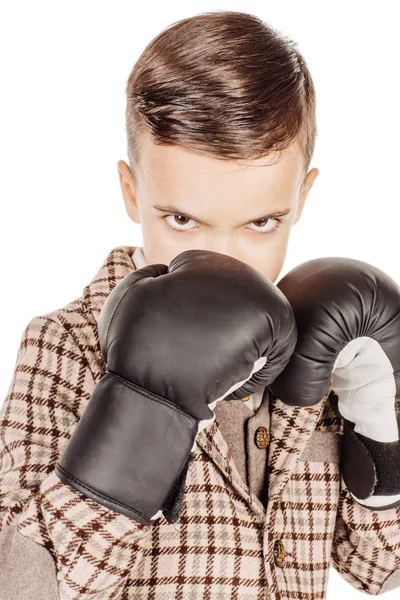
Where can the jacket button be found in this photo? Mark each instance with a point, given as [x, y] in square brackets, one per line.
[262, 437]
[279, 553]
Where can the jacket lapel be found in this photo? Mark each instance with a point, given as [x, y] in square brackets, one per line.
[291, 430]
[291, 427]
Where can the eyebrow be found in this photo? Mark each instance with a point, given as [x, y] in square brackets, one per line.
[174, 209]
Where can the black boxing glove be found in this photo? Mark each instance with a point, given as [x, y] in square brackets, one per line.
[175, 341]
[348, 319]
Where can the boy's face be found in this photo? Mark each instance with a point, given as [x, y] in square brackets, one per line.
[217, 205]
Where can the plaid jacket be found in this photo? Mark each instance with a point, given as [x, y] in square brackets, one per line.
[245, 531]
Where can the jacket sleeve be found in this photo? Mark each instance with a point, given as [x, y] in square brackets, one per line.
[366, 545]
[75, 548]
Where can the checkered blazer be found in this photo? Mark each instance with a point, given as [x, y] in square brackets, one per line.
[55, 543]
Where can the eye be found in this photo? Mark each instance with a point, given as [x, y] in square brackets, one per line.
[270, 229]
[180, 217]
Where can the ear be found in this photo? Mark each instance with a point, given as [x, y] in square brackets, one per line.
[128, 191]
[306, 187]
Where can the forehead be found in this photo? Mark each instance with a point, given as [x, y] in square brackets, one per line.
[178, 169]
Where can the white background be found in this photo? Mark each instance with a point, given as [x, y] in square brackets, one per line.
[64, 68]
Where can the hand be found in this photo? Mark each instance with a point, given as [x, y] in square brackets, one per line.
[348, 319]
[175, 341]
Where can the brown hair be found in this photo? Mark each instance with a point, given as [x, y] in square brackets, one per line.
[223, 83]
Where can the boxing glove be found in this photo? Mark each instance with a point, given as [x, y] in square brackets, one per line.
[348, 319]
[175, 340]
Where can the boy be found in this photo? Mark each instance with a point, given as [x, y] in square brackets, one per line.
[265, 511]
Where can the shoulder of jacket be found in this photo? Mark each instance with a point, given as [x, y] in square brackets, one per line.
[80, 316]
[80, 325]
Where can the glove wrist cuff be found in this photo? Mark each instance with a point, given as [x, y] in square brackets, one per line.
[128, 449]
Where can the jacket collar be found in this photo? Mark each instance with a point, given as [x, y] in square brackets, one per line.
[117, 265]
[291, 427]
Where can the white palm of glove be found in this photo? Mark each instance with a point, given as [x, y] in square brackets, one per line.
[363, 380]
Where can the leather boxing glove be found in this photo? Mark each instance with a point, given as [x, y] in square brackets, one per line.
[348, 319]
[175, 341]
